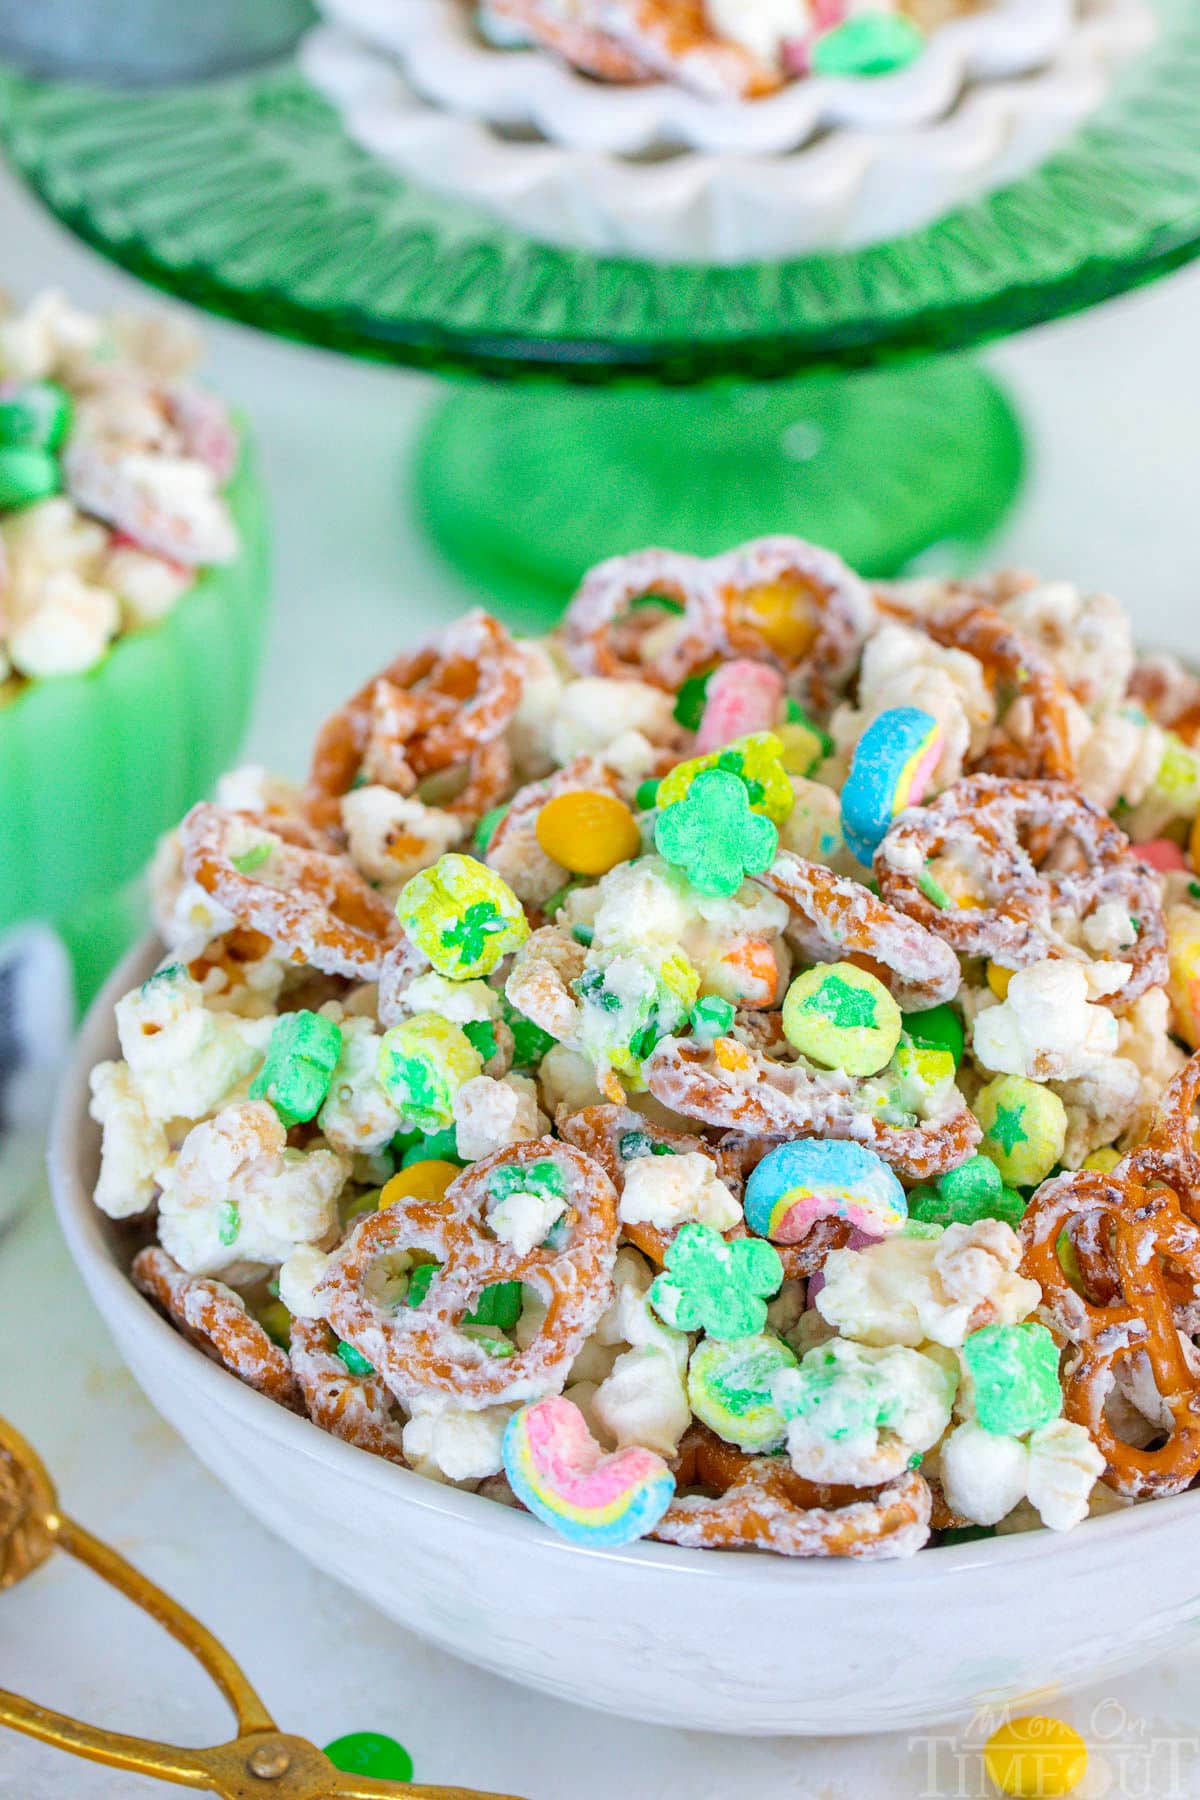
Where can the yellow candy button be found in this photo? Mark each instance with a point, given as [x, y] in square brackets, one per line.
[782, 613]
[420, 1181]
[1102, 1162]
[588, 832]
[1035, 1758]
[998, 980]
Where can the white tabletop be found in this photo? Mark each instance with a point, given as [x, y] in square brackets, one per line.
[1112, 402]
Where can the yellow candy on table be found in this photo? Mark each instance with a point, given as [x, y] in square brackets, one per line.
[588, 832]
[426, 1180]
[842, 1017]
[1183, 979]
[998, 980]
[783, 615]
[1036, 1758]
[1102, 1162]
[422, 1064]
[757, 760]
[463, 915]
[1024, 1128]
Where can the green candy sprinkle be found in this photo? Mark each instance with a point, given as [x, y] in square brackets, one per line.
[301, 1057]
[544, 1178]
[690, 701]
[711, 1017]
[27, 476]
[870, 44]
[37, 417]
[231, 1223]
[1014, 1373]
[433, 1146]
[714, 835]
[965, 1195]
[646, 797]
[491, 1346]
[663, 601]
[481, 1033]
[716, 1285]
[530, 1042]
[251, 859]
[354, 1359]
[485, 831]
[933, 890]
[370, 1753]
[419, 1282]
[499, 1305]
[1194, 889]
[938, 1029]
[632, 1144]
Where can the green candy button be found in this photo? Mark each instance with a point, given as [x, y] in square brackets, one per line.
[27, 476]
[938, 1029]
[370, 1753]
[872, 43]
[37, 417]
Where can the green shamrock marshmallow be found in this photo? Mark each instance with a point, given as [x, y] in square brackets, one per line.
[714, 834]
[714, 1285]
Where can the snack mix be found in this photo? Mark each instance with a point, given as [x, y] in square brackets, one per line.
[720, 1071]
[723, 49]
[111, 469]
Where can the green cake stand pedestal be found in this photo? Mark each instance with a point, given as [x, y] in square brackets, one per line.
[631, 403]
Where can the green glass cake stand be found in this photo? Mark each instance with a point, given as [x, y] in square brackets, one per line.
[684, 405]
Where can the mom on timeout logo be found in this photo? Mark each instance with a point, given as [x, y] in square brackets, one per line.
[1106, 1753]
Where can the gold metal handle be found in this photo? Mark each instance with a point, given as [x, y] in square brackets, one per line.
[260, 1763]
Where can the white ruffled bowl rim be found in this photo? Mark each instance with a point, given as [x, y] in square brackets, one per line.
[451, 65]
[848, 189]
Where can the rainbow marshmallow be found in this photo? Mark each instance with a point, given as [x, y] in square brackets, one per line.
[893, 765]
[810, 1179]
[557, 1469]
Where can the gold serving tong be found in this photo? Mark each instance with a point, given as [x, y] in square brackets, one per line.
[260, 1763]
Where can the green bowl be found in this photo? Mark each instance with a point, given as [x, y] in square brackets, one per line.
[94, 767]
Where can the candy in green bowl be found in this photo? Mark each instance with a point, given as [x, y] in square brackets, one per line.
[133, 591]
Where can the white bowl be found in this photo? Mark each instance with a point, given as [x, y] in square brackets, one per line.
[850, 186]
[715, 1641]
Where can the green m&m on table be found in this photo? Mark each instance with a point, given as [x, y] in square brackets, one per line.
[370, 1753]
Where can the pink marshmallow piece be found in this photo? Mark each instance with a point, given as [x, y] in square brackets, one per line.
[743, 697]
[1163, 854]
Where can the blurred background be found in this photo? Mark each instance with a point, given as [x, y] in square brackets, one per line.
[1109, 401]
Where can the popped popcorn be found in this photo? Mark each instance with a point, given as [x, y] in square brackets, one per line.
[238, 1195]
[1045, 1028]
[986, 1476]
[667, 1191]
[935, 1287]
[142, 458]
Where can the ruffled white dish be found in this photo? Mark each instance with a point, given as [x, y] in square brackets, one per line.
[847, 188]
[711, 1641]
[449, 64]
